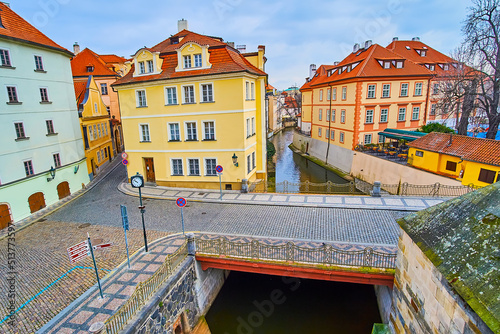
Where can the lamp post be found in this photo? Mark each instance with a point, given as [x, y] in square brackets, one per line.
[137, 181]
[52, 173]
[235, 159]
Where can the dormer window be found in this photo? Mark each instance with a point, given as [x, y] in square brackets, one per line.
[187, 61]
[399, 64]
[174, 40]
[432, 67]
[446, 67]
[423, 53]
[142, 68]
[90, 68]
[150, 66]
[197, 60]
[387, 64]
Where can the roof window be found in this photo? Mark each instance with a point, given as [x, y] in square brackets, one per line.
[408, 48]
[90, 68]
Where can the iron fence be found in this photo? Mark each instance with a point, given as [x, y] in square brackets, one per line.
[291, 253]
[144, 291]
[285, 187]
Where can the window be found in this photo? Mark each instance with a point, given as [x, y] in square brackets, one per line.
[171, 93]
[96, 109]
[341, 138]
[344, 93]
[387, 64]
[419, 153]
[342, 116]
[105, 153]
[451, 166]
[194, 166]
[383, 115]
[197, 60]
[210, 165]
[321, 95]
[12, 93]
[209, 130]
[142, 68]
[435, 88]
[145, 133]
[446, 67]
[90, 69]
[333, 115]
[249, 166]
[191, 131]
[207, 93]
[174, 132]
[57, 160]
[38, 63]
[105, 127]
[99, 130]
[402, 114]
[319, 132]
[44, 95]
[98, 156]
[418, 89]
[28, 168]
[91, 133]
[328, 94]
[189, 94]
[248, 128]
[334, 93]
[369, 116]
[151, 67]
[327, 115]
[415, 114]
[253, 160]
[404, 89]
[253, 125]
[486, 175]
[104, 89]
[332, 135]
[368, 139]
[50, 127]
[247, 90]
[386, 90]
[177, 167]
[95, 132]
[399, 64]
[433, 109]
[320, 115]
[19, 130]
[141, 98]
[5, 58]
[252, 87]
[187, 61]
[381, 139]
[371, 92]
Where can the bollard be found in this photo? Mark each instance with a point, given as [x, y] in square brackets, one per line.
[376, 189]
[191, 246]
[244, 186]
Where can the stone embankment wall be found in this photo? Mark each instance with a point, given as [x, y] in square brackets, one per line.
[423, 300]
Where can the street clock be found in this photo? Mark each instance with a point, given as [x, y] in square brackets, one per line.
[137, 181]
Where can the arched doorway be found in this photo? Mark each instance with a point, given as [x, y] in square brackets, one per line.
[63, 189]
[5, 217]
[36, 202]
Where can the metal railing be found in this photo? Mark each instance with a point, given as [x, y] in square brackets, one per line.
[285, 187]
[430, 190]
[291, 253]
[144, 291]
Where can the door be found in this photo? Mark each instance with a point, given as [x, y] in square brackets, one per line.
[109, 154]
[36, 202]
[93, 166]
[150, 170]
[63, 190]
[5, 218]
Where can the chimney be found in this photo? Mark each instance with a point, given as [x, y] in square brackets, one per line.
[182, 24]
[241, 48]
[368, 43]
[261, 48]
[312, 70]
[394, 39]
[335, 63]
[6, 3]
[231, 44]
[451, 140]
[76, 48]
[415, 39]
[355, 48]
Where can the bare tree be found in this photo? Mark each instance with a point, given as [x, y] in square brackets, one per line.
[482, 42]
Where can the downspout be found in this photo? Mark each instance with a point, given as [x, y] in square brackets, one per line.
[427, 100]
[329, 127]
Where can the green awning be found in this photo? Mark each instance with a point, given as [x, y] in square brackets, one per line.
[401, 134]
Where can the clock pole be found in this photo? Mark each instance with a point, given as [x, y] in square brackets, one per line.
[143, 210]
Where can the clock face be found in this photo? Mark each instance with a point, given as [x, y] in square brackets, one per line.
[136, 182]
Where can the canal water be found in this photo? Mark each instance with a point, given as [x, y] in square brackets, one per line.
[295, 168]
[263, 304]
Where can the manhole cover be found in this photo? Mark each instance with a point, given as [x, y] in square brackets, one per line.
[84, 225]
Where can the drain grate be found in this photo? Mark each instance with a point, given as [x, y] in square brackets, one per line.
[84, 225]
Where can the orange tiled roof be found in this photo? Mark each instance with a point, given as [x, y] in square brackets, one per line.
[15, 27]
[270, 87]
[112, 59]
[86, 58]
[480, 150]
[80, 88]
[224, 59]
[365, 64]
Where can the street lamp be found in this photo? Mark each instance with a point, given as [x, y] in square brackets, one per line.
[52, 172]
[235, 159]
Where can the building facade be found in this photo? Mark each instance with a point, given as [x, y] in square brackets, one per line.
[190, 103]
[42, 152]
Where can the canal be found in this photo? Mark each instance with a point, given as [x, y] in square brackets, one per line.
[262, 304]
[295, 168]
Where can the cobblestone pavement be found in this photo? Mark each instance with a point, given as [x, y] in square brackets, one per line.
[41, 259]
[101, 205]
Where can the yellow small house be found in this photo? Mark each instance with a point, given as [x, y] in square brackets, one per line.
[95, 125]
[470, 160]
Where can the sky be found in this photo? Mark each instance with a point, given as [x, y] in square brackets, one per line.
[296, 33]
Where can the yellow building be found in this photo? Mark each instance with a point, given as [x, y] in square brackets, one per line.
[95, 125]
[470, 160]
[190, 103]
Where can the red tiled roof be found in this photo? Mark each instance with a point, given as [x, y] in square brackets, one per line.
[224, 59]
[14, 26]
[270, 87]
[80, 88]
[112, 59]
[480, 150]
[367, 65]
[290, 102]
[87, 57]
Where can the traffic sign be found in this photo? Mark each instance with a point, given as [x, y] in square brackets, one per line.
[181, 202]
[101, 246]
[124, 155]
[124, 217]
[125, 162]
[219, 169]
[78, 252]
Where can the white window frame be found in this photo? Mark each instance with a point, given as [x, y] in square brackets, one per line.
[342, 137]
[204, 132]
[98, 156]
[418, 87]
[174, 96]
[205, 166]
[104, 85]
[367, 139]
[342, 116]
[386, 92]
[170, 132]
[186, 61]
[21, 128]
[200, 58]
[328, 115]
[51, 122]
[344, 93]
[381, 139]
[386, 114]
[334, 94]
[321, 95]
[253, 125]
[189, 166]
[31, 167]
[369, 116]
[41, 63]
[435, 88]
[319, 131]
[142, 139]
[320, 114]
[186, 133]
[183, 88]
[18, 99]
[333, 115]
[328, 94]
[252, 90]
[249, 127]
[249, 163]
[7, 51]
[247, 90]
[172, 167]
[46, 93]
[142, 67]
[399, 114]
[371, 91]
[413, 114]
[254, 163]
[57, 163]
[139, 100]
[150, 66]
[433, 109]
[404, 89]
[202, 98]
[332, 134]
